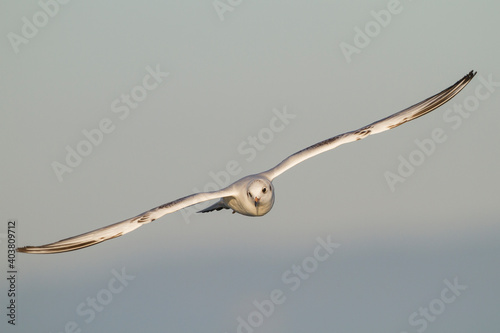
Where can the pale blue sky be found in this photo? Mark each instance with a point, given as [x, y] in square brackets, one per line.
[227, 81]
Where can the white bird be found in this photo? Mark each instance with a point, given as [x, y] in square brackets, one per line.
[252, 195]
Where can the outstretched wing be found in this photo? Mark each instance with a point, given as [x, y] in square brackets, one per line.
[123, 227]
[382, 125]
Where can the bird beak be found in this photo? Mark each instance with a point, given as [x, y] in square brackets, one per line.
[256, 201]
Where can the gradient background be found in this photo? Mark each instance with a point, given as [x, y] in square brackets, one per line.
[225, 79]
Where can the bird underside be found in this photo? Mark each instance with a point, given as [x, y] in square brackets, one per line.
[219, 205]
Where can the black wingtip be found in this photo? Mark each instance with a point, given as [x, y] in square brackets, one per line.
[51, 249]
[467, 78]
[22, 249]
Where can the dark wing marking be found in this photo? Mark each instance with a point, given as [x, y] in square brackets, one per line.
[216, 206]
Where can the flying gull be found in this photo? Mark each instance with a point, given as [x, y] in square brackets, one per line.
[252, 195]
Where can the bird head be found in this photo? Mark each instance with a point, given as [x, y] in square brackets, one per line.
[260, 194]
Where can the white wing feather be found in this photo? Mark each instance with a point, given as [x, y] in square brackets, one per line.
[126, 226]
[382, 125]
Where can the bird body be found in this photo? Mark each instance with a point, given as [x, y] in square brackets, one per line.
[256, 188]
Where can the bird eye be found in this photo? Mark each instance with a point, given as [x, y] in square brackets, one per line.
[264, 190]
